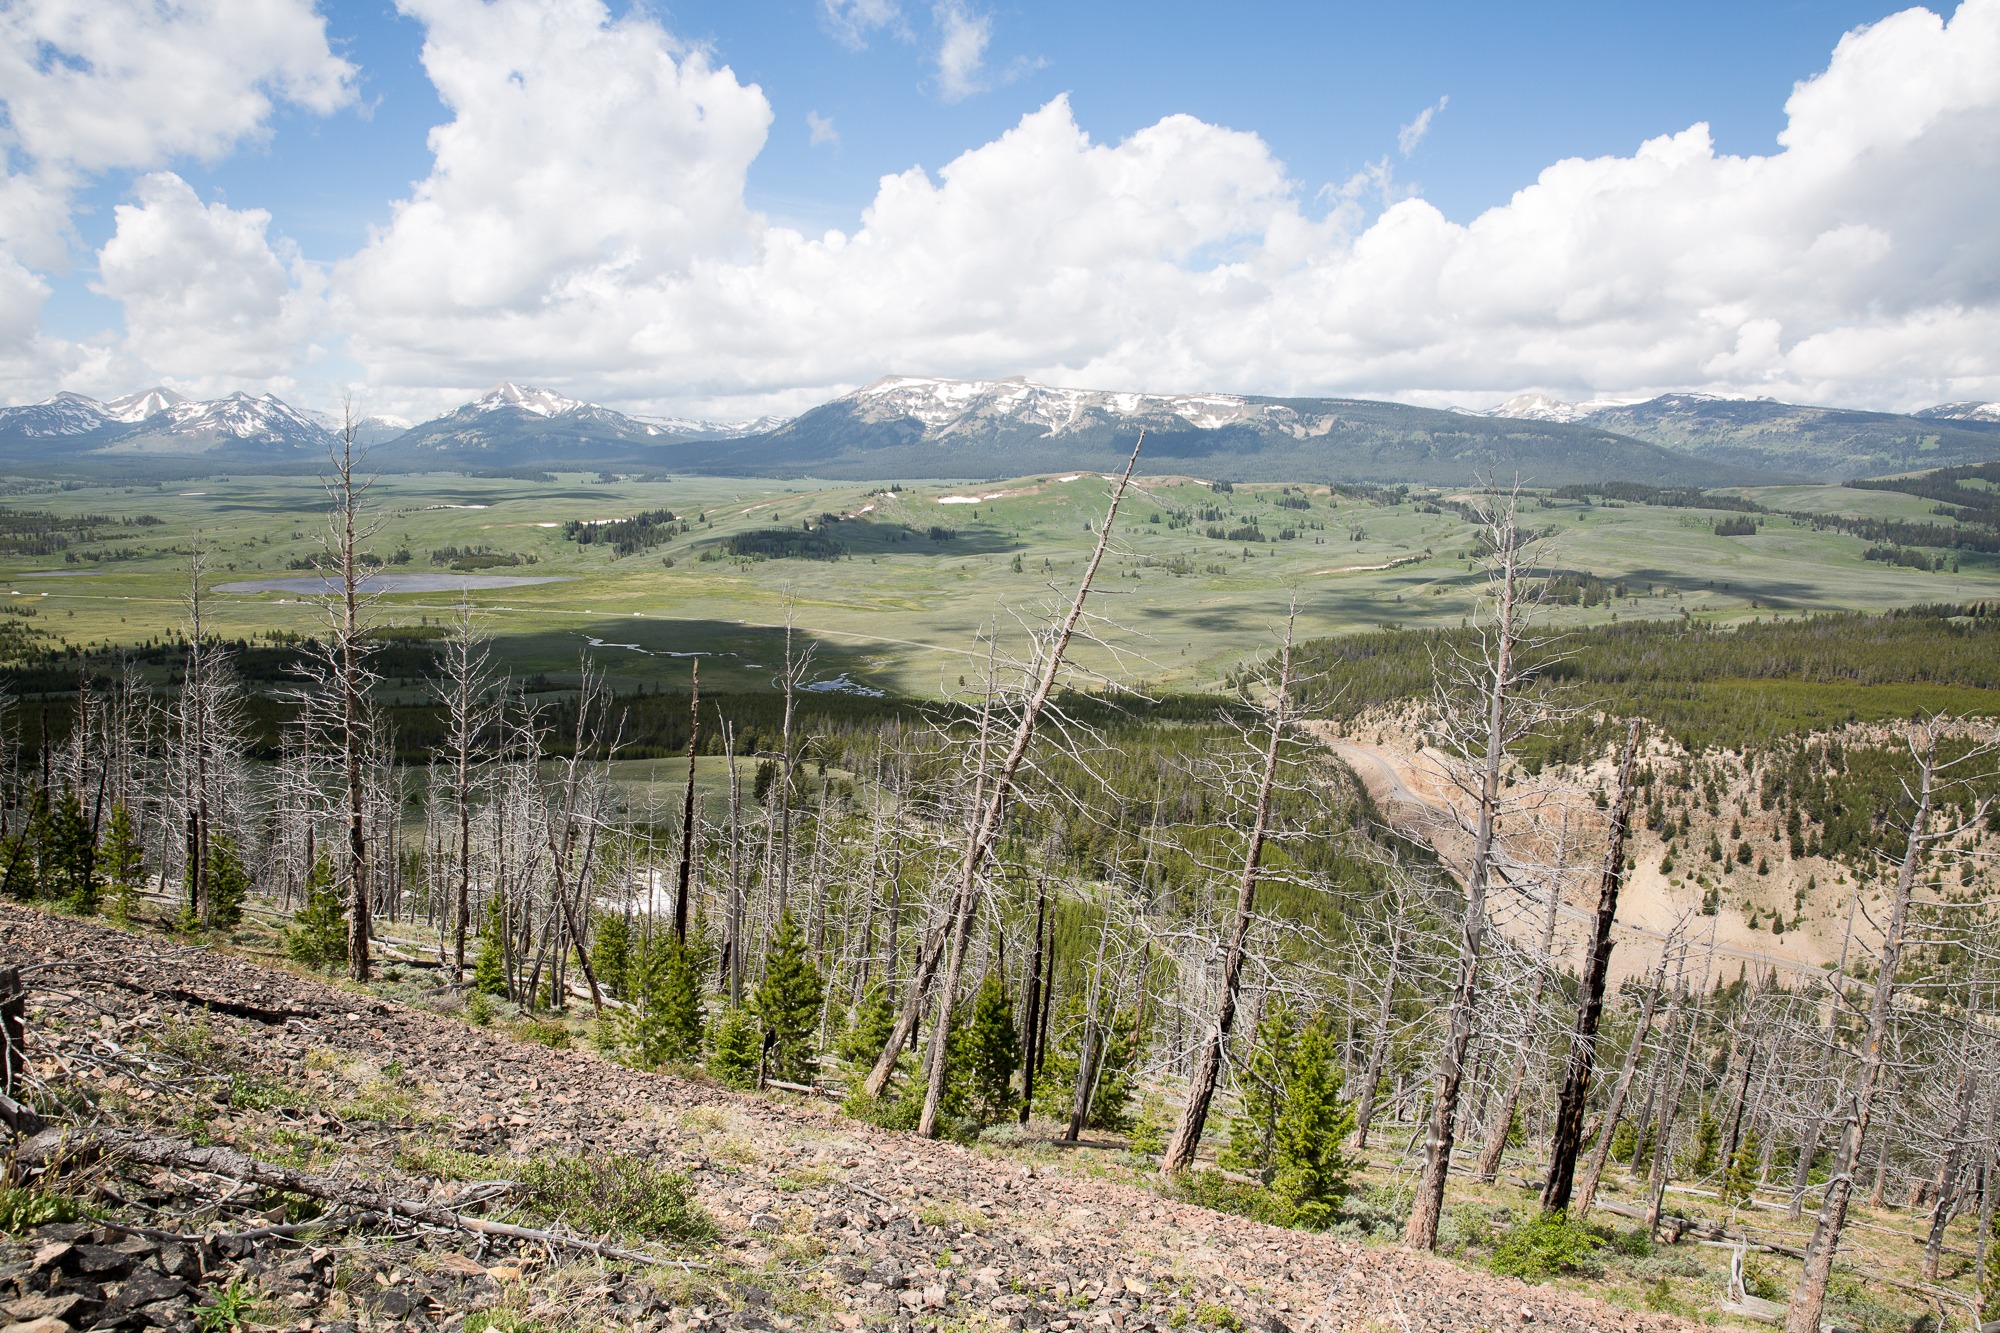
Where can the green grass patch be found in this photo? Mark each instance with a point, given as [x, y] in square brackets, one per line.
[619, 1194]
[23, 1208]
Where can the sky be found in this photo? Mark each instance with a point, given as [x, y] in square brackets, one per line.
[729, 209]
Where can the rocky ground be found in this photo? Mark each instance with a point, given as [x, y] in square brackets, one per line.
[819, 1221]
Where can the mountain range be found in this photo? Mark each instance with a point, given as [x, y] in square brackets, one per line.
[918, 427]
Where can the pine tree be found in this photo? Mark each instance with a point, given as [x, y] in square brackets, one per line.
[318, 936]
[874, 1020]
[993, 1048]
[1253, 1131]
[228, 883]
[732, 1056]
[1741, 1180]
[666, 1025]
[1310, 1170]
[489, 965]
[611, 954]
[65, 855]
[1707, 1142]
[124, 861]
[787, 1004]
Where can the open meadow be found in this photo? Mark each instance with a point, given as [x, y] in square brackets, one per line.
[907, 579]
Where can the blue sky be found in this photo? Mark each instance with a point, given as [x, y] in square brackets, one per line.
[1322, 100]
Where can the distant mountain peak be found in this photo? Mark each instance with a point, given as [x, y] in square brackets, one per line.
[1960, 412]
[535, 402]
[135, 407]
[1546, 407]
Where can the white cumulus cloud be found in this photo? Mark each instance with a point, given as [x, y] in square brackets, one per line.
[207, 296]
[92, 87]
[820, 129]
[584, 224]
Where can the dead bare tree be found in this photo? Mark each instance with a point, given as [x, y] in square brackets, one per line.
[1495, 678]
[953, 929]
[1208, 1066]
[1582, 1060]
[465, 689]
[1922, 834]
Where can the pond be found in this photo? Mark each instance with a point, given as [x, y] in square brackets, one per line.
[319, 585]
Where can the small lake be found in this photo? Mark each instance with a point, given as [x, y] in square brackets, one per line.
[320, 585]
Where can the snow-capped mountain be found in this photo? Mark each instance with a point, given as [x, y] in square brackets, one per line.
[136, 407]
[64, 414]
[535, 402]
[1543, 407]
[160, 421]
[948, 406]
[927, 426]
[265, 422]
[519, 425]
[1960, 412]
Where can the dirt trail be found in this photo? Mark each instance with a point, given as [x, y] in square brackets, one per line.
[866, 1227]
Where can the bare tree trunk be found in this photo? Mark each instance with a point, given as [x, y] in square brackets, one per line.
[685, 877]
[1568, 1138]
[1378, 1050]
[1503, 1115]
[1028, 1051]
[1601, 1154]
[985, 828]
[1422, 1229]
[1954, 1157]
[352, 705]
[1186, 1140]
[1809, 1299]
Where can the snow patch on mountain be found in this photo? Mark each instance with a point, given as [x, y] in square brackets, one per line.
[1544, 407]
[946, 407]
[1961, 412]
[136, 407]
[535, 402]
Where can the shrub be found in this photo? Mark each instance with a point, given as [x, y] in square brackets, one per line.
[618, 1194]
[1550, 1244]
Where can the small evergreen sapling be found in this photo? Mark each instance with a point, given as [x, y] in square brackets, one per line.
[994, 1049]
[1311, 1174]
[787, 1004]
[666, 1025]
[318, 937]
[732, 1055]
[228, 884]
[489, 965]
[1740, 1182]
[874, 1020]
[1253, 1131]
[123, 859]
